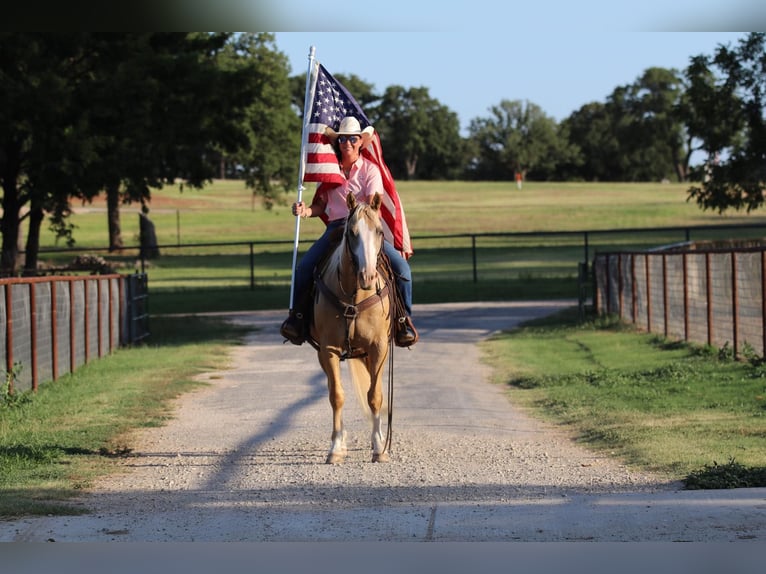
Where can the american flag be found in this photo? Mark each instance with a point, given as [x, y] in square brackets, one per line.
[330, 104]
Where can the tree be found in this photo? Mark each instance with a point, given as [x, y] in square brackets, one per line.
[518, 137]
[420, 136]
[269, 161]
[590, 130]
[725, 109]
[162, 107]
[647, 127]
[636, 135]
[82, 112]
[43, 156]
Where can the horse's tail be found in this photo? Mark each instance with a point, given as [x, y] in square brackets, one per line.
[360, 378]
[361, 381]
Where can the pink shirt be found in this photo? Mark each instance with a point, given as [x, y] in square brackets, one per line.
[363, 181]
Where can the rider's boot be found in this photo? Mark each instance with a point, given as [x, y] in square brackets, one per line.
[295, 327]
[405, 335]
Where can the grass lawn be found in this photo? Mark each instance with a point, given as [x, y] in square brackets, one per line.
[669, 407]
[456, 257]
[53, 443]
[679, 410]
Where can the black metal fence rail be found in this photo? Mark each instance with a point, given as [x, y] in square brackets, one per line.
[715, 297]
[55, 324]
[580, 244]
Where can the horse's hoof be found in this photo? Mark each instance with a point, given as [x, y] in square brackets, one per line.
[382, 457]
[334, 458]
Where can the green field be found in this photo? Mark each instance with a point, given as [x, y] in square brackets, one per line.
[457, 257]
[684, 412]
[661, 405]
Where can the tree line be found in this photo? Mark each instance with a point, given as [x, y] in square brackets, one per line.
[119, 114]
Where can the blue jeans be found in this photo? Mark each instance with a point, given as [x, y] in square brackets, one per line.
[304, 271]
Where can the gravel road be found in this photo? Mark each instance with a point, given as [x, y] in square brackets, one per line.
[243, 460]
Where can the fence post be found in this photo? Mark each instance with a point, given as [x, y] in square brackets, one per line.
[763, 302]
[473, 256]
[86, 318]
[608, 273]
[252, 267]
[665, 291]
[633, 289]
[686, 296]
[72, 328]
[620, 288]
[9, 335]
[582, 287]
[54, 333]
[33, 332]
[734, 305]
[648, 294]
[709, 294]
[99, 318]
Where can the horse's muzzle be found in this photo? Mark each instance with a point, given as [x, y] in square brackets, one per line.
[368, 278]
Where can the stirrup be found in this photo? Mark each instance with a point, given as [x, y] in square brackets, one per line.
[405, 334]
[292, 329]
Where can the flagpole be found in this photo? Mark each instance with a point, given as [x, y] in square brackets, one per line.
[302, 167]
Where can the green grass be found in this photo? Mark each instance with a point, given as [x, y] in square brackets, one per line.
[669, 407]
[442, 266]
[55, 442]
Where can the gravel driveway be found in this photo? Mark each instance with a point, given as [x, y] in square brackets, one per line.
[243, 460]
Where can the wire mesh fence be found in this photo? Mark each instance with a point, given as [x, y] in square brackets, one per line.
[53, 325]
[711, 296]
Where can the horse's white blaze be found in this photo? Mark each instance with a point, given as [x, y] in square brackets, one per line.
[366, 254]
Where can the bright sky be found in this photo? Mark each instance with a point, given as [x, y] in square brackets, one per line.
[471, 70]
[471, 54]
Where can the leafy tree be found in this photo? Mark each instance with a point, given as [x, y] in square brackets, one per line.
[122, 112]
[43, 157]
[647, 127]
[151, 101]
[590, 130]
[518, 137]
[636, 135]
[725, 109]
[421, 137]
[658, 92]
[269, 160]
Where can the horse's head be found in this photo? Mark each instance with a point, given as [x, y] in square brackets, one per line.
[364, 238]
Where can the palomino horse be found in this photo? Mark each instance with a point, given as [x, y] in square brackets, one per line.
[352, 321]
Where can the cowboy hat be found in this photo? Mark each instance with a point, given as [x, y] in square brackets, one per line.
[349, 126]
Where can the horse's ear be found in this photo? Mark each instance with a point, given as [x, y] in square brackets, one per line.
[376, 201]
[351, 201]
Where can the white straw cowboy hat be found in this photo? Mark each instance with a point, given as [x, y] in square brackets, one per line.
[349, 126]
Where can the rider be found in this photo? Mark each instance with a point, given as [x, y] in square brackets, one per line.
[363, 178]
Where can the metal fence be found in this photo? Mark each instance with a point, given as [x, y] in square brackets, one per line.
[55, 324]
[715, 297]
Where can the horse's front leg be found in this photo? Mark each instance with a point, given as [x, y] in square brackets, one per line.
[330, 362]
[375, 362]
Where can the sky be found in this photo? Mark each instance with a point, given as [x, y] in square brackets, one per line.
[469, 71]
[472, 54]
